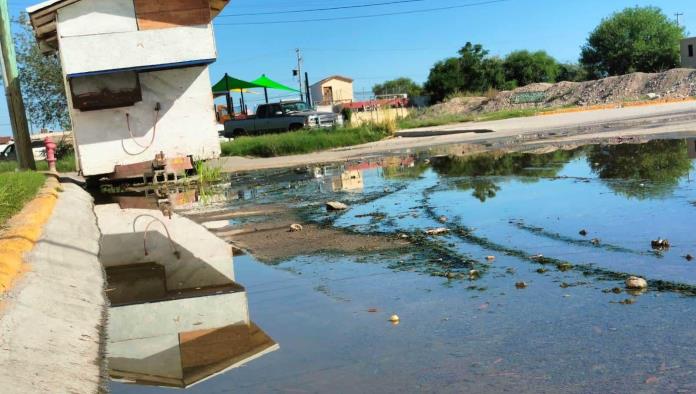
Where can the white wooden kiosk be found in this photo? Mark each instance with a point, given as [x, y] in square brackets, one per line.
[137, 82]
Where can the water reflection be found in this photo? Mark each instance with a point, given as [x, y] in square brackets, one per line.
[177, 315]
[642, 171]
[481, 169]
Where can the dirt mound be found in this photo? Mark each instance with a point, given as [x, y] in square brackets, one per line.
[672, 84]
[456, 105]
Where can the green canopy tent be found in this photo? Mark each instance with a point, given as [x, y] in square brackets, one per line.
[267, 83]
[228, 84]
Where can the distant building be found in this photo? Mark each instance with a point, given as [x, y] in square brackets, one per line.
[332, 90]
[688, 55]
[136, 77]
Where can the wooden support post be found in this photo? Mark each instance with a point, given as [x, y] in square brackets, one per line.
[13, 92]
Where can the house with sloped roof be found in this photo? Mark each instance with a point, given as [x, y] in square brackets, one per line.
[335, 89]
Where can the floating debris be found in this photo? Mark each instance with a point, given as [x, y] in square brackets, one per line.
[490, 258]
[616, 290]
[689, 257]
[394, 318]
[521, 285]
[372, 310]
[442, 219]
[437, 231]
[628, 301]
[660, 244]
[583, 232]
[636, 283]
[595, 241]
[336, 206]
[542, 270]
[474, 274]
[294, 228]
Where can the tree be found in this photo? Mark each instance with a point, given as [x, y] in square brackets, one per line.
[524, 67]
[635, 39]
[42, 81]
[473, 71]
[571, 72]
[398, 86]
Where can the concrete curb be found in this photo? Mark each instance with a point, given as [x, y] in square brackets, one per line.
[25, 229]
[52, 320]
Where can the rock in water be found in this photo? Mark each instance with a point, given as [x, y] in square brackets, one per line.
[660, 244]
[437, 231]
[521, 285]
[636, 283]
[294, 228]
[394, 318]
[336, 206]
[583, 232]
[442, 219]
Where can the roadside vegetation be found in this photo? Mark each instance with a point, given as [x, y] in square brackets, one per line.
[66, 163]
[637, 39]
[421, 119]
[306, 141]
[16, 189]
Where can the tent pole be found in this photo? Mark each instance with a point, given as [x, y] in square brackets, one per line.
[228, 96]
[265, 93]
[243, 105]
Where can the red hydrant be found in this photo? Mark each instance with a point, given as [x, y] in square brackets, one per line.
[50, 154]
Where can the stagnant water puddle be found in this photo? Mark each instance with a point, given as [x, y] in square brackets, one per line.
[522, 290]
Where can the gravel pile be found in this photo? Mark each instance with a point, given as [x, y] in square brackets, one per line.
[673, 84]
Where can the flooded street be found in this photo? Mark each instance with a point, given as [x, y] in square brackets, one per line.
[506, 271]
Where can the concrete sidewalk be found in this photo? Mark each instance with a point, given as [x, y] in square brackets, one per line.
[51, 321]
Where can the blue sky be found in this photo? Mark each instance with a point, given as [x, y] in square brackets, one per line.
[372, 50]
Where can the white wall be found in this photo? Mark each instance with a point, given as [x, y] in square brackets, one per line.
[206, 260]
[98, 35]
[97, 17]
[686, 60]
[186, 125]
[176, 316]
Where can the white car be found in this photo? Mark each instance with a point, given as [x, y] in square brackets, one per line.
[7, 152]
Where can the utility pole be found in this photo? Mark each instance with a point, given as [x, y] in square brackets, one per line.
[299, 71]
[13, 92]
[678, 14]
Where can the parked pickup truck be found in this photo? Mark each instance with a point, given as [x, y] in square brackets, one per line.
[281, 117]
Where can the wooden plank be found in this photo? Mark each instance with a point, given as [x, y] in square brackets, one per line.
[161, 14]
[149, 6]
[173, 19]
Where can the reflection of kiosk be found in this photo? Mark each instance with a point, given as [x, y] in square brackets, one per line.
[691, 147]
[177, 316]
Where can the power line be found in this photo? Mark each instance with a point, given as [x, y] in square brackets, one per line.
[345, 7]
[365, 16]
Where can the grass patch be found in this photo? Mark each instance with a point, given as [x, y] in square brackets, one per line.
[434, 120]
[427, 120]
[306, 141]
[509, 114]
[16, 189]
[64, 164]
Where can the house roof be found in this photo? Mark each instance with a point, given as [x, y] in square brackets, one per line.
[339, 77]
[43, 20]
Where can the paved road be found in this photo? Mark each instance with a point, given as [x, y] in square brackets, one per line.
[633, 121]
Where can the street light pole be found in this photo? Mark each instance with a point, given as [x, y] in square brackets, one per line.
[13, 92]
